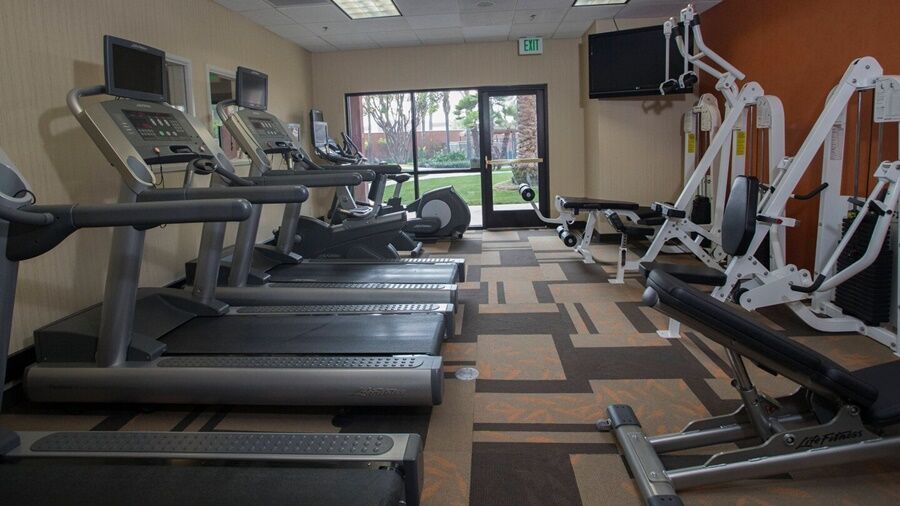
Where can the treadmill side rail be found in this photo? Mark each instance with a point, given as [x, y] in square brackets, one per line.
[364, 381]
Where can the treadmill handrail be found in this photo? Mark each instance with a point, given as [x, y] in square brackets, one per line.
[29, 239]
[307, 179]
[274, 194]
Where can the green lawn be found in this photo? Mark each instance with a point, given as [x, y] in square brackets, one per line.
[468, 187]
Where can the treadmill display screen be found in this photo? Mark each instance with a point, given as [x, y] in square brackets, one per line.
[156, 125]
[266, 127]
[134, 70]
[252, 89]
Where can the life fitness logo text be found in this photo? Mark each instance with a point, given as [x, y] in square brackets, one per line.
[830, 437]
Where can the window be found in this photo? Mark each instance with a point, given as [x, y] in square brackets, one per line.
[180, 93]
[381, 125]
[446, 138]
[221, 88]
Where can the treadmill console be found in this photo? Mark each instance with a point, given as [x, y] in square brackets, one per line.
[267, 130]
[160, 133]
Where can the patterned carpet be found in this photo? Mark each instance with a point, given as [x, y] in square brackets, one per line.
[554, 343]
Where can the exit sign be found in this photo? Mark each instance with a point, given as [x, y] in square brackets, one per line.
[531, 45]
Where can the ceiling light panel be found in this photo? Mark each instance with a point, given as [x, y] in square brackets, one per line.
[364, 9]
[584, 3]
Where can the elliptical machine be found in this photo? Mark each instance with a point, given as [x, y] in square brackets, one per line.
[438, 214]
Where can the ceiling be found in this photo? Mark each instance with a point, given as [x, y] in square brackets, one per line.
[318, 25]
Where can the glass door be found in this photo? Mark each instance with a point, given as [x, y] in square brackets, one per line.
[514, 151]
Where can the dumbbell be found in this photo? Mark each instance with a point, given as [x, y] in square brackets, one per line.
[527, 192]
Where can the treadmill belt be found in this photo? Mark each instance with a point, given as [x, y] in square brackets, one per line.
[386, 334]
[366, 273]
[128, 483]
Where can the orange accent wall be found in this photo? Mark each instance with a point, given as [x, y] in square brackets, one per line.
[797, 50]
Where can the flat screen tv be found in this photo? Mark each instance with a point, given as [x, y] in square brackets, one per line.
[631, 63]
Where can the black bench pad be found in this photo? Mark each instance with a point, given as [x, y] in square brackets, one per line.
[885, 378]
[629, 230]
[732, 328]
[579, 203]
[698, 274]
[645, 212]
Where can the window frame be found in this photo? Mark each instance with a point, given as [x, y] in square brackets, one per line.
[188, 80]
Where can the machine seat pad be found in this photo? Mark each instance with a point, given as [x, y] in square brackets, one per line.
[637, 232]
[579, 203]
[698, 274]
[885, 378]
[646, 212]
[628, 230]
[649, 218]
[732, 328]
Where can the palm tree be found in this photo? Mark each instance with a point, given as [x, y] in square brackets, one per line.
[526, 136]
[445, 104]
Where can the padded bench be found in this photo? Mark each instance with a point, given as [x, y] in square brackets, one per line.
[838, 417]
[577, 204]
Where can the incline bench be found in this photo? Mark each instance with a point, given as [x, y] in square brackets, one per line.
[836, 417]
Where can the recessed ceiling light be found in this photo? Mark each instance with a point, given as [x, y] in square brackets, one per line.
[585, 3]
[485, 3]
[362, 9]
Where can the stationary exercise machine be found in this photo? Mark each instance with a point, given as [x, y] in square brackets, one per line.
[439, 213]
[854, 285]
[727, 148]
[837, 417]
[349, 205]
[260, 134]
[169, 345]
[102, 467]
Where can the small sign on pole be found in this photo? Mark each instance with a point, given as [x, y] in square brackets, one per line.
[531, 45]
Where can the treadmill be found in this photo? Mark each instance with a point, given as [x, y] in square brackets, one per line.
[260, 135]
[102, 467]
[167, 345]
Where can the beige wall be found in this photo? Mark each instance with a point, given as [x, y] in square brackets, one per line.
[632, 145]
[48, 47]
[467, 65]
[628, 149]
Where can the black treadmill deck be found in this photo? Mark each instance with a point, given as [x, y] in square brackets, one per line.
[363, 273]
[355, 334]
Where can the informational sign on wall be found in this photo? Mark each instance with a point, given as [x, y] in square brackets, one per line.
[531, 45]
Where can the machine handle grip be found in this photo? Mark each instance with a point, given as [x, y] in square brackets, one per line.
[815, 191]
[25, 217]
[811, 288]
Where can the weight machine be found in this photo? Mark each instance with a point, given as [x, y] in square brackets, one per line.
[840, 254]
[727, 149]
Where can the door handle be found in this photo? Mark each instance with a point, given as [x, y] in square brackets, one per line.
[510, 161]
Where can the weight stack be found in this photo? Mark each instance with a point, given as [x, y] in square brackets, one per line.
[867, 295]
